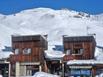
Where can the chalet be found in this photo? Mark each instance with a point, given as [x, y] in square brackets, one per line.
[28, 56]
[79, 60]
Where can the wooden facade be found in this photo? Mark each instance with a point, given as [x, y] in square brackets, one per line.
[79, 47]
[29, 57]
[28, 51]
[80, 51]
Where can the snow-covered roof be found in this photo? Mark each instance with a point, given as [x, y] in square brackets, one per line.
[43, 74]
[5, 54]
[92, 62]
[51, 54]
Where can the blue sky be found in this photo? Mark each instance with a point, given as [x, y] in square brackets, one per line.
[88, 6]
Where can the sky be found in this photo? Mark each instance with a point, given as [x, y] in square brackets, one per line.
[15, 6]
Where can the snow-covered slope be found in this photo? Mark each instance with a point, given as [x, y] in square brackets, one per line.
[55, 23]
[99, 54]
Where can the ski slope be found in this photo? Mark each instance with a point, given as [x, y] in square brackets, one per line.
[54, 23]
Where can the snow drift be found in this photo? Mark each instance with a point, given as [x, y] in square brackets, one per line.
[43, 74]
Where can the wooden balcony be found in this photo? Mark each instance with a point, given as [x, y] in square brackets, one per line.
[25, 58]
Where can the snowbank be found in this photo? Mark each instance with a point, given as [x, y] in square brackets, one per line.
[101, 75]
[43, 74]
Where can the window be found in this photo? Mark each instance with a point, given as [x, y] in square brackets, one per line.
[68, 52]
[78, 51]
[81, 51]
[16, 51]
[27, 51]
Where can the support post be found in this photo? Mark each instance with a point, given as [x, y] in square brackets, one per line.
[63, 69]
[40, 69]
[93, 72]
[9, 69]
[17, 69]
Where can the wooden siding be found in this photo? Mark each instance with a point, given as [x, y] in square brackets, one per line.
[25, 58]
[88, 46]
[37, 44]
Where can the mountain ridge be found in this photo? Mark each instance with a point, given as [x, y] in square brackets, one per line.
[55, 23]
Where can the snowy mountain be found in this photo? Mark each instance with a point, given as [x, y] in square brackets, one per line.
[99, 54]
[55, 23]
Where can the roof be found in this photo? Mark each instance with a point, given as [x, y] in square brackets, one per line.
[53, 55]
[58, 48]
[27, 38]
[7, 49]
[4, 55]
[78, 39]
[79, 62]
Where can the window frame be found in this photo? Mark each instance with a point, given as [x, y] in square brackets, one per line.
[68, 53]
[80, 52]
[26, 52]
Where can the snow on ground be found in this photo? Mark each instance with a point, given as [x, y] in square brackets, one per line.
[101, 75]
[43, 74]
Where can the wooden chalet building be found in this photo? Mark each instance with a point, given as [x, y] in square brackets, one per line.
[28, 56]
[79, 58]
[79, 47]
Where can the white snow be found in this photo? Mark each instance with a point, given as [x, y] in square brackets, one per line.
[51, 54]
[101, 75]
[99, 54]
[5, 54]
[43, 74]
[55, 23]
[84, 62]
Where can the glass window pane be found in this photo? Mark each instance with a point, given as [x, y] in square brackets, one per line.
[16, 51]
